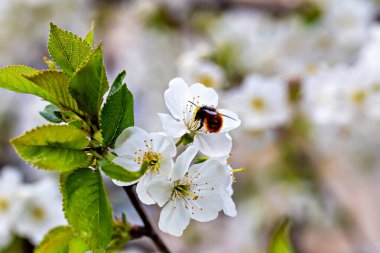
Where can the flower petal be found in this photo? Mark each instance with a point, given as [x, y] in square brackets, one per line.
[213, 145]
[206, 207]
[127, 162]
[174, 218]
[166, 167]
[230, 120]
[201, 95]
[172, 127]
[160, 189]
[183, 162]
[229, 207]
[121, 183]
[212, 173]
[161, 143]
[176, 97]
[141, 188]
[130, 140]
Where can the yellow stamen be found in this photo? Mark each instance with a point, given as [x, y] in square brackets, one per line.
[238, 170]
[358, 97]
[153, 159]
[38, 213]
[181, 190]
[207, 80]
[258, 104]
[4, 205]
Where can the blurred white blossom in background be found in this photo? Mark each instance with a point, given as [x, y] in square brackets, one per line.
[312, 157]
[28, 210]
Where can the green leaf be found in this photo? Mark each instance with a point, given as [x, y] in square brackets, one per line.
[50, 64]
[76, 245]
[51, 114]
[77, 123]
[61, 240]
[55, 83]
[117, 115]
[89, 84]
[280, 243]
[118, 82]
[53, 147]
[87, 207]
[67, 49]
[119, 173]
[12, 78]
[90, 34]
[56, 241]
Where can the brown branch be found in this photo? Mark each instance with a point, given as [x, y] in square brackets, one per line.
[149, 230]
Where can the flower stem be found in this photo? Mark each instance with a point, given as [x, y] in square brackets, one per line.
[178, 142]
[147, 223]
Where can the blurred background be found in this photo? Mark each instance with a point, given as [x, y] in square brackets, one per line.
[303, 75]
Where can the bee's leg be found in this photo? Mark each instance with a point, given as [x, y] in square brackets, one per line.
[200, 125]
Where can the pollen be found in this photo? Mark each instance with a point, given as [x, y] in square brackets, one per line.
[182, 190]
[153, 159]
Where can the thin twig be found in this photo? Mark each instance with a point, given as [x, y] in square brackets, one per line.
[147, 223]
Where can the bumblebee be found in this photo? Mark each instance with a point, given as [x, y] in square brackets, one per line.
[210, 118]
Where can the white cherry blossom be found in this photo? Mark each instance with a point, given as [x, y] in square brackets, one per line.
[262, 102]
[229, 207]
[341, 95]
[10, 207]
[42, 210]
[183, 102]
[190, 192]
[135, 146]
[195, 67]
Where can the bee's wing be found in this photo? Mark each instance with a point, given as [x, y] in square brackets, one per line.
[211, 112]
[227, 116]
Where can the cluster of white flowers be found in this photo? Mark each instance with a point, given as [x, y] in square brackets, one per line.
[24, 36]
[27, 210]
[188, 188]
[269, 53]
[346, 93]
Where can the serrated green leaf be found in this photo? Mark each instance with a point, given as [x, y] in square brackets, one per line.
[55, 83]
[89, 84]
[12, 78]
[51, 115]
[117, 115]
[90, 34]
[50, 64]
[53, 147]
[117, 82]
[87, 208]
[279, 242]
[119, 173]
[67, 49]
